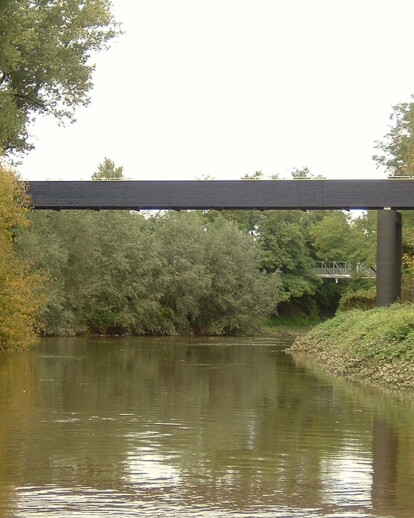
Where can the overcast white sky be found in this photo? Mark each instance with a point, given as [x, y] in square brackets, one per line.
[228, 87]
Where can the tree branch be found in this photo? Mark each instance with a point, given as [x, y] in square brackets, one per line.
[32, 101]
[3, 78]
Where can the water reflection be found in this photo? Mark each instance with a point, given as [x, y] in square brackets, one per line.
[385, 454]
[179, 427]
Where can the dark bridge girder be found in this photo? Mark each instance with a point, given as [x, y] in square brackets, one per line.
[264, 194]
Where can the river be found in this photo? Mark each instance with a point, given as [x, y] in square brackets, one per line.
[196, 427]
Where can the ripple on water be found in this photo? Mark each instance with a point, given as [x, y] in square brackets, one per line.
[196, 428]
[55, 501]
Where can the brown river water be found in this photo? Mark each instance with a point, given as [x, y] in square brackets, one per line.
[196, 427]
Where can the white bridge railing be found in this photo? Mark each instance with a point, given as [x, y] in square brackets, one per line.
[343, 270]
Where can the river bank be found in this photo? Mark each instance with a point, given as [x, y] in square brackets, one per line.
[375, 346]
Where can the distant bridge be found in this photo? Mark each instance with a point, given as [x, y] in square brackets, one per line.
[344, 270]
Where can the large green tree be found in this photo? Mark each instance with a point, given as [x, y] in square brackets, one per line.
[19, 287]
[396, 149]
[103, 270]
[45, 67]
[336, 236]
[240, 295]
[283, 237]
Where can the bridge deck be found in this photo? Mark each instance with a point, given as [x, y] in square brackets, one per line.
[265, 194]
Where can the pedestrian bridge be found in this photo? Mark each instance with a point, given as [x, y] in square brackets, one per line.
[344, 270]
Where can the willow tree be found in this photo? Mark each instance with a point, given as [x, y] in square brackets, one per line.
[19, 288]
[45, 68]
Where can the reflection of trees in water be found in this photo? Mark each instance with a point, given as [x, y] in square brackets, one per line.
[17, 408]
[385, 471]
[223, 425]
[389, 415]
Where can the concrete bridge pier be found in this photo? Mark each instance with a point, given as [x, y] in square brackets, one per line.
[389, 237]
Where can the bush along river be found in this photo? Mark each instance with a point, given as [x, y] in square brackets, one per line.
[192, 427]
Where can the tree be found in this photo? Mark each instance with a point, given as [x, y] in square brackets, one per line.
[45, 68]
[240, 294]
[304, 173]
[103, 271]
[397, 155]
[122, 292]
[397, 147]
[184, 277]
[19, 287]
[332, 237]
[108, 171]
[283, 237]
[211, 280]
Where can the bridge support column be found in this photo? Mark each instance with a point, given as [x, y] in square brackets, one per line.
[388, 257]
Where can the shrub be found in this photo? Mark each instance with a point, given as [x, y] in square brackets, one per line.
[361, 299]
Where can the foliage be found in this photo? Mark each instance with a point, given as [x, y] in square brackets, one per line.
[283, 240]
[304, 173]
[364, 238]
[336, 236]
[361, 299]
[107, 170]
[375, 345]
[45, 48]
[397, 155]
[19, 288]
[407, 294]
[240, 295]
[119, 272]
[100, 266]
[331, 237]
[397, 148]
[184, 276]
[121, 293]
[291, 323]
[327, 296]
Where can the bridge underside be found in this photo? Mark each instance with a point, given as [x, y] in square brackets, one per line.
[245, 195]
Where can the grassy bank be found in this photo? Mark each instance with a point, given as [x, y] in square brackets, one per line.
[375, 346]
[294, 323]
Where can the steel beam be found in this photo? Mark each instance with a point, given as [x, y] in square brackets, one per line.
[265, 194]
[389, 236]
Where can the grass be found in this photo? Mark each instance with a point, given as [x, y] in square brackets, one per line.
[293, 323]
[375, 346]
